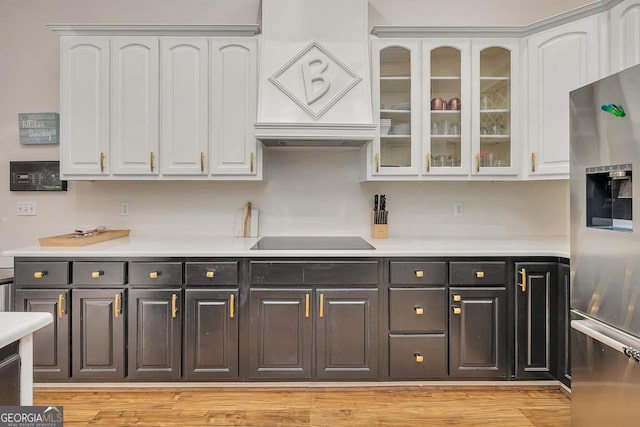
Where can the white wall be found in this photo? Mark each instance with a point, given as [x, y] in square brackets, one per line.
[302, 195]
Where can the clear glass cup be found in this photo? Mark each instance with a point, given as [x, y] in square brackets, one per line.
[446, 127]
[454, 129]
[436, 128]
[485, 101]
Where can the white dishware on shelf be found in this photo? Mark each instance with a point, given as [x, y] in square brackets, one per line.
[401, 129]
[385, 125]
[401, 106]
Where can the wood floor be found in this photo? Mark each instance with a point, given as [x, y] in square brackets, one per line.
[311, 406]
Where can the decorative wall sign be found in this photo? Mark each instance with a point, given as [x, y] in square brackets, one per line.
[39, 128]
[315, 79]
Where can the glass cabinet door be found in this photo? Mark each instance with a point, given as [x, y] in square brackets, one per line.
[446, 79]
[396, 98]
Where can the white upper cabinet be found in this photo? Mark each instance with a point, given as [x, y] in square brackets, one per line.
[134, 105]
[84, 99]
[184, 112]
[560, 60]
[233, 106]
[624, 35]
[396, 104]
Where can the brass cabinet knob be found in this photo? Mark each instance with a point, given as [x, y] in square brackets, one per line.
[210, 274]
[39, 274]
[96, 274]
[419, 311]
[479, 274]
[457, 310]
[419, 357]
[457, 298]
[153, 275]
[419, 274]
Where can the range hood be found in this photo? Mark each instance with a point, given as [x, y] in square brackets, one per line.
[314, 85]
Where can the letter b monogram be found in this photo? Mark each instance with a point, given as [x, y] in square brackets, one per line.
[312, 76]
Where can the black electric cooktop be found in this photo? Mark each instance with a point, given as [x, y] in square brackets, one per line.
[311, 243]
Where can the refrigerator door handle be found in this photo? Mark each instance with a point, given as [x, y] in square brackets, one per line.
[584, 327]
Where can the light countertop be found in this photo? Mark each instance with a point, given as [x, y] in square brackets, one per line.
[18, 325]
[213, 246]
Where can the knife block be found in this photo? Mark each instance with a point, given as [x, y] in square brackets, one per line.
[378, 231]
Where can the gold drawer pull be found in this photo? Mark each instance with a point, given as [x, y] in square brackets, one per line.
[523, 285]
[153, 275]
[306, 305]
[419, 274]
[377, 162]
[251, 159]
[116, 306]
[457, 298]
[174, 305]
[39, 274]
[96, 274]
[60, 306]
[419, 311]
[457, 310]
[533, 162]
[479, 274]
[419, 357]
[210, 274]
[232, 305]
[102, 162]
[201, 161]
[478, 162]
[428, 162]
[321, 305]
[152, 158]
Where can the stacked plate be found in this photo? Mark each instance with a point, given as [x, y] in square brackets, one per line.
[385, 125]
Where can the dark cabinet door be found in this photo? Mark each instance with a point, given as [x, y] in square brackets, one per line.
[536, 314]
[280, 334]
[477, 332]
[98, 334]
[155, 322]
[51, 343]
[564, 325]
[347, 333]
[211, 334]
[10, 375]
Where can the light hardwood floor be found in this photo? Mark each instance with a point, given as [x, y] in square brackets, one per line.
[311, 406]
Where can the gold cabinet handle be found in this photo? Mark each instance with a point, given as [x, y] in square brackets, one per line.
[201, 162]
[321, 305]
[101, 161]
[533, 162]
[210, 274]
[377, 162]
[152, 158]
[523, 285]
[251, 158]
[419, 357]
[153, 275]
[457, 310]
[60, 306]
[419, 274]
[96, 274]
[457, 298]
[232, 305]
[174, 305]
[419, 311]
[428, 162]
[306, 305]
[39, 274]
[116, 306]
[478, 162]
[480, 274]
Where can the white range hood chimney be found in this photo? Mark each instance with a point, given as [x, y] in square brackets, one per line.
[314, 86]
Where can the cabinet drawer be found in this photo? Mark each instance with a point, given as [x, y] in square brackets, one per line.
[417, 273]
[211, 273]
[477, 273]
[42, 273]
[417, 309]
[417, 356]
[99, 273]
[155, 273]
[314, 273]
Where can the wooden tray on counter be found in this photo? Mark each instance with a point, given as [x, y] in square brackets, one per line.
[74, 240]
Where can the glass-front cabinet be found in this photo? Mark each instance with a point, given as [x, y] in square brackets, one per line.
[494, 114]
[396, 99]
[446, 84]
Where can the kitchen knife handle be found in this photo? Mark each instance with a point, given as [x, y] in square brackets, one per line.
[152, 158]
[101, 161]
[306, 305]
[60, 306]
[533, 162]
[523, 285]
[201, 161]
[174, 306]
[377, 162]
[428, 162]
[116, 306]
[321, 305]
[251, 158]
[232, 305]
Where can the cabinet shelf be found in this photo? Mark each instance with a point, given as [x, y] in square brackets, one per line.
[395, 136]
[445, 111]
[392, 111]
[500, 110]
[445, 136]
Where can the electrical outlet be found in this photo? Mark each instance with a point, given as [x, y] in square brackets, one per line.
[124, 208]
[26, 208]
[457, 209]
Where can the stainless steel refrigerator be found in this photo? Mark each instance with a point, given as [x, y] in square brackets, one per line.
[605, 252]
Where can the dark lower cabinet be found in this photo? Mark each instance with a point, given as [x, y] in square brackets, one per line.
[154, 334]
[564, 325]
[280, 334]
[10, 375]
[478, 333]
[347, 334]
[417, 356]
[536, 314]
[98, 334]
[211, 334]
[51, 343]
